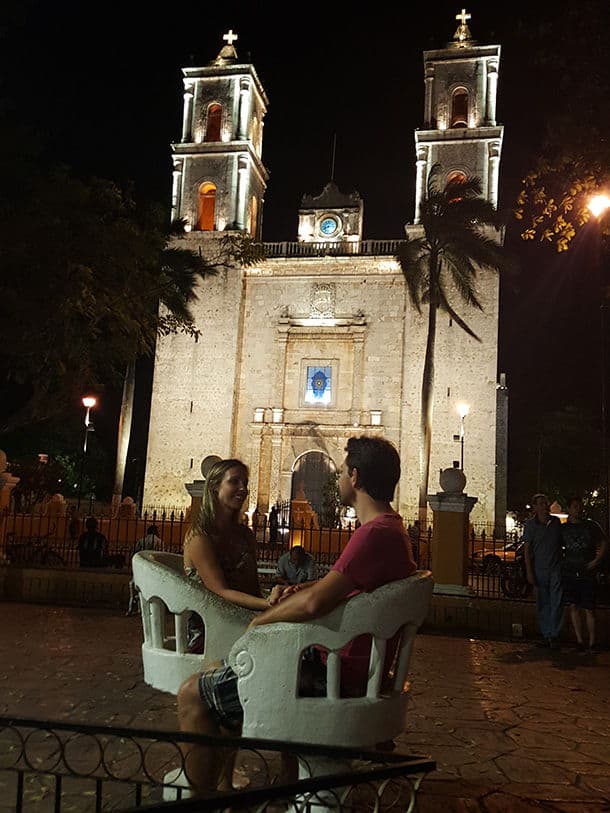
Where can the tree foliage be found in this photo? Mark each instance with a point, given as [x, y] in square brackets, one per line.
[573, 156]
[84, 268]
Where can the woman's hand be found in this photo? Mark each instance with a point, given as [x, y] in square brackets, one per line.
[275, 595]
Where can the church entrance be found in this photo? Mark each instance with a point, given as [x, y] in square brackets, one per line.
[313, 479]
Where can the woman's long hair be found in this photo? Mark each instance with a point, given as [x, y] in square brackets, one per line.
[205, 522]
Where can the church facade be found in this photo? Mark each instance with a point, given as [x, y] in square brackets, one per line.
[319, 341]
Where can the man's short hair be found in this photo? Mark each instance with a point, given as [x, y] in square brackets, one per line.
[540, 495]
[575, 498]
[377, 463]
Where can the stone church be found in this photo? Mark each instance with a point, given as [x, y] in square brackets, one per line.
[319, 341]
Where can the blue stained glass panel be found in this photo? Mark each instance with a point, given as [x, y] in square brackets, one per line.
[318, 391]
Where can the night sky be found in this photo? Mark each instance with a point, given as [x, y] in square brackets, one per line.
[104, 85]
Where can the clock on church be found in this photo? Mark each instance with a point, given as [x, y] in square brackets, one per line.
[329, 226]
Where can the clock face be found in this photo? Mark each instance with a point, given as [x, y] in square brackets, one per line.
[329, 226]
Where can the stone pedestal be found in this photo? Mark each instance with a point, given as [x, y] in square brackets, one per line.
[450, 537]
[195, 490]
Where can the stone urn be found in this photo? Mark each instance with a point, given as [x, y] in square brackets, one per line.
[452, 480]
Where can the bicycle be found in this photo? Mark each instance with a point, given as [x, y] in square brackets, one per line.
[32, 552]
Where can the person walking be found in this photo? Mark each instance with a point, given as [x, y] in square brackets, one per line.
[584, 548]
[542, 554]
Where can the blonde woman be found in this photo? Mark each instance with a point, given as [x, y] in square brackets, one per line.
[221, 552]
[219, 549]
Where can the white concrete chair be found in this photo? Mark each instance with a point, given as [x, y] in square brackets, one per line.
[164, 588]
[267, 660]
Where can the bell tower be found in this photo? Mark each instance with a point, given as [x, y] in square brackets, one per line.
[460, 130]
[219, 179]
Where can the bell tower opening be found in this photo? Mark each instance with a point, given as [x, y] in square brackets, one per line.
[459, 108]
[207, 207]
[214, 120]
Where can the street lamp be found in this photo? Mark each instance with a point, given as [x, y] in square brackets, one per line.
[598, 205]
[89, 401]
[463, 410]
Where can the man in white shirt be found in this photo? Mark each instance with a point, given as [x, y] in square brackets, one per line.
[296, 566]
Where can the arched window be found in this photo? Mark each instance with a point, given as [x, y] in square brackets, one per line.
[212, 130]
[206, 208]
[459, 108]
[456, 177]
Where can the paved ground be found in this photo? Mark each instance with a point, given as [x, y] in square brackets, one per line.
[512, 728]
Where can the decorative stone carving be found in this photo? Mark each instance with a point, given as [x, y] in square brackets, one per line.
[322, 300]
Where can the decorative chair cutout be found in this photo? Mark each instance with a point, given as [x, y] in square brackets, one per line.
[267, 660]
[164, 588]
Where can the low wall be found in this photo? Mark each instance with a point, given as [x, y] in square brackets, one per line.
[72, 587]
[80, 587]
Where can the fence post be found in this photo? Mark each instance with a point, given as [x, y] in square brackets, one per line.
[7, 484]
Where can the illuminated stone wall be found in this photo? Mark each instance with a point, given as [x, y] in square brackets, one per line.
[257, 332]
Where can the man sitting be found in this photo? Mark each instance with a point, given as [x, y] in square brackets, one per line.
[296, 566]
[378, 552]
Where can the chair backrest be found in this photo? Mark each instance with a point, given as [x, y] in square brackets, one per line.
[268, 660]
[164, 588]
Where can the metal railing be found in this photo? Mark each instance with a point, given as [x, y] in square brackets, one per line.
[80, 768]
[333, 249]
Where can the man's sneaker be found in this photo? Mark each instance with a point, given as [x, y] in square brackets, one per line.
[581, 648]
[593, 650]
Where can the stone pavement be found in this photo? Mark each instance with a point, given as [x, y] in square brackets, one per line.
[512, 728]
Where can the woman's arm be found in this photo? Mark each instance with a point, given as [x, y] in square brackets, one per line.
[204, 559]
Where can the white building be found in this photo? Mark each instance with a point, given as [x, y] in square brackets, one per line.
[319, 341]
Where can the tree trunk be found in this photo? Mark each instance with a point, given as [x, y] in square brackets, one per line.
[427, 401]
[124, 432]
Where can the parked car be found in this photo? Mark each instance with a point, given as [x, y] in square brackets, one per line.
[492, 559]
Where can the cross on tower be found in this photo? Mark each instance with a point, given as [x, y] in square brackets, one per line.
[463, 16]
[230, 37]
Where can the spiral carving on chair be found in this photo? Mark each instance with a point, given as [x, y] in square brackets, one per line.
[244, 663]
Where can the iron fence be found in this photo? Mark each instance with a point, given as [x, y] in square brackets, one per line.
[495, 561]
[81, 768]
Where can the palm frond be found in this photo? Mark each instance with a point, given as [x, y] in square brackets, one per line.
[463, 275]
[412, 257]
[444, 305]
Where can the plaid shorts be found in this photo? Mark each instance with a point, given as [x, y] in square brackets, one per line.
[218, 691]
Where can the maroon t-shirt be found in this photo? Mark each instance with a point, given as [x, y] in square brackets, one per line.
[377, 553]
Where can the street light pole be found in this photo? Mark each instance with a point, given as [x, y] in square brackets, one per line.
[88, 402]
[598, 205]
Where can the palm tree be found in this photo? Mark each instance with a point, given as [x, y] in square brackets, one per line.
[455, 244]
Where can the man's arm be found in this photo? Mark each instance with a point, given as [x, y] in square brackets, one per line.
[602, 541]
[309, 603]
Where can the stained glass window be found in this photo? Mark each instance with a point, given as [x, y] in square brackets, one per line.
[318, 390]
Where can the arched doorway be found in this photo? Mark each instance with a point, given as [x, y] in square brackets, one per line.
[314, 476]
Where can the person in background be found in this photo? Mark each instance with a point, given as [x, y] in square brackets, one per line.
[273, 525]
[296, 566]
[542, 555]
[92, 545]
[150, 541]
[584, 548]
